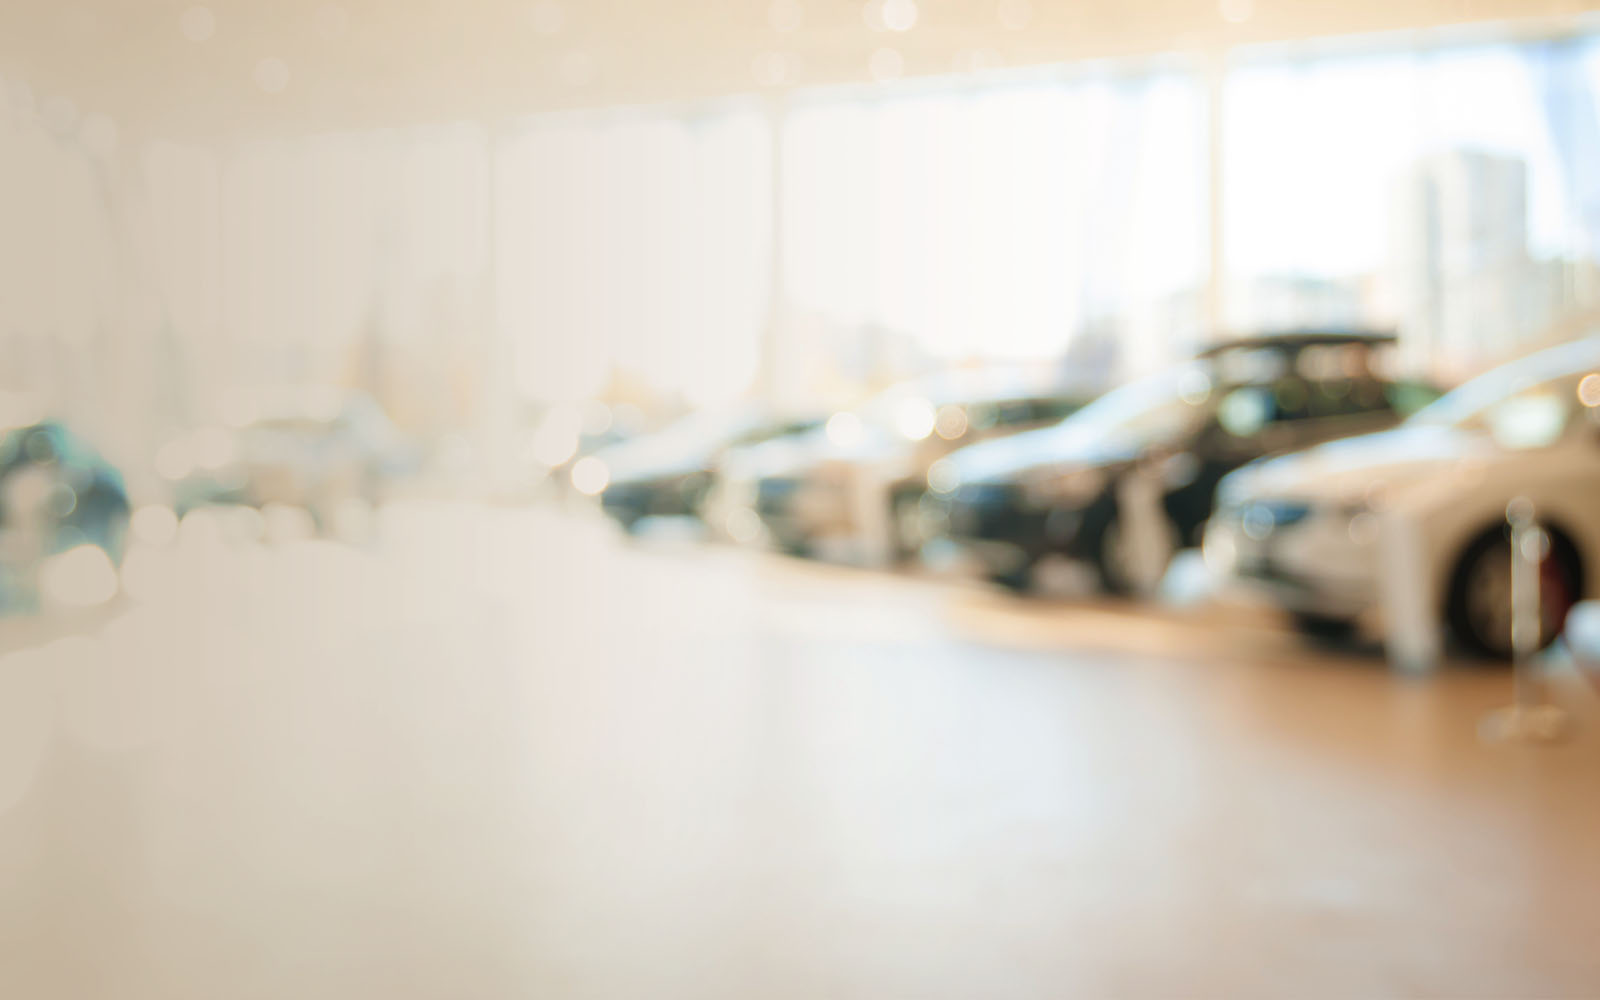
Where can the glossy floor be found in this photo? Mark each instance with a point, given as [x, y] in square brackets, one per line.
[504, 754]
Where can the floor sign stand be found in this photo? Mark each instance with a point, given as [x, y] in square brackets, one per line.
[1530, 718]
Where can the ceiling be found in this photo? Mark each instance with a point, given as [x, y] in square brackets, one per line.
[166, 67]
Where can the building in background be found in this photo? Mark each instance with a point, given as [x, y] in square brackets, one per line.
[1468, 289]
[834, 240]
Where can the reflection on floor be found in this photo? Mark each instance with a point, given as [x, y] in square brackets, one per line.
[505, 754]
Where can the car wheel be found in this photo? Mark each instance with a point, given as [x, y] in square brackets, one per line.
[1018, 580]
[792, 545]
[1125, 571]
[1478, 608]
[1323, 628]
[628, 521]
[905, 525]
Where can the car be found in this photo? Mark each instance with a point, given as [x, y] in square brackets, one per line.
[860, 481]
[60, 501]
[669, 473]
[1308, 530]
[316, 450]
[566, 434]
[1128, 480]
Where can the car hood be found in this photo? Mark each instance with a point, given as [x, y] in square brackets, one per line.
[1008, 459]
[800, 455]
[643, 460]
[791, 455]
[1351, 469]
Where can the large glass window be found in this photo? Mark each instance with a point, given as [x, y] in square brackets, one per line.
[1444, 191]
[1003, 222]
[636, 247]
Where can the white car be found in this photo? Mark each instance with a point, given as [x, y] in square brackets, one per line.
[312, 449]
[1326, 532]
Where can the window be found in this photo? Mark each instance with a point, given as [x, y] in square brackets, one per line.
[1446, 191]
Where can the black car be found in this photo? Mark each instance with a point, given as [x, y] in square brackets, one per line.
[1129, 479]
[669, 473]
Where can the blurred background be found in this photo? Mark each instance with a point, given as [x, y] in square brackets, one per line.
[729, 497]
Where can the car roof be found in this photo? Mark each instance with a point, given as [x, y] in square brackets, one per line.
[1299, 339]
[994, 385]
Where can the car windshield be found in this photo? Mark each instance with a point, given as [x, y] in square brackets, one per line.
[1154, 408]
[1471, 402]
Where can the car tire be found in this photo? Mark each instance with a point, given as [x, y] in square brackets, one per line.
[1110, 560]
[1018, 580]
[1322, 628]
[904, 509]
[628, 522]
[793, 545]
[1482, 574]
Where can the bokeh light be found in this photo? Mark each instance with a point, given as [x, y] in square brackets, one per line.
[1589, 390]
[951, 422]
[844, 429]
[915, 418]
[590, 475]
[898, 15]
[197, 23]
[81, 577]
[1015, 15]
[1236, 11]
[272, 75]
[785, 15]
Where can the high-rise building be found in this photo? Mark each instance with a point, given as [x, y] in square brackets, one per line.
[1465, 287]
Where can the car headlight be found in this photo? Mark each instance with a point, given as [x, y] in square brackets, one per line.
[1058, 487]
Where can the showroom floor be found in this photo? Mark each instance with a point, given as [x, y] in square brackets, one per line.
[506, 754]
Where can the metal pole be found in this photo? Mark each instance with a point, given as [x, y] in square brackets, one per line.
[1529, 718]
[1525, 558]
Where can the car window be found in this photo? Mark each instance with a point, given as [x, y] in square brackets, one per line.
[1346, 397]
[1154, 408]
[1249, 409]
[1246, 411]
[1251, 365]
[1530, 415]
[1054, 408]
[1029, 411]
[1410, 396]
[1535, 416]
[1467, 404]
